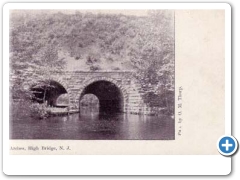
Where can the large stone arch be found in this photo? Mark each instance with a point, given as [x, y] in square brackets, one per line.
[88, 82]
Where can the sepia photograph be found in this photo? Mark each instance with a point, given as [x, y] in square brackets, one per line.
[92, 74]
[91, 86]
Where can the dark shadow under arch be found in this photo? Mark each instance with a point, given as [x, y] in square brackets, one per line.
[109, 95]
[47, 91]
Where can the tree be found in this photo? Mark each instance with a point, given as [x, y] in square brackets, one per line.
[98, 41]
[31, 51]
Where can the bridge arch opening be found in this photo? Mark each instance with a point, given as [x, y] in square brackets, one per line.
[89, 100]
[89, 106]
[109, 95]
[49, 91]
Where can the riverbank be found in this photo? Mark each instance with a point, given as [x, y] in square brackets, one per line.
[55, 111]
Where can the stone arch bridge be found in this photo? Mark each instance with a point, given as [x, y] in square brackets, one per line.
[116, 90]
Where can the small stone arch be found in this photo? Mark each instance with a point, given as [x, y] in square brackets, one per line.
[122, 90]
[57, 81]
[60, 81]
[27, 86]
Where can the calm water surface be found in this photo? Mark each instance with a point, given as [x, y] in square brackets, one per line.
[90, 125]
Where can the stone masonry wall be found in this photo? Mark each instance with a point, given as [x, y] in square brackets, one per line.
[75, 82]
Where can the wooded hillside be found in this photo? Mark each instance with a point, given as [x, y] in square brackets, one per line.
[94, 41]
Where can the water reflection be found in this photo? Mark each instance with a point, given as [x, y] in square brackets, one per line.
[90, 125]
[91, 113]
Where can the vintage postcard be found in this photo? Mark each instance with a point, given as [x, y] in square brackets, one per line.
[116, 81]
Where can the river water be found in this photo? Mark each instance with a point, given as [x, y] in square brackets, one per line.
[90, 125]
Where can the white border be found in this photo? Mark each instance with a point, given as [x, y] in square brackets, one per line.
[114, 164]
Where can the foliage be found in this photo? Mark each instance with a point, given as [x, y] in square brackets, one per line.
[30, 50]
[89, 100]
[97, 41]
[39, 111]
[23, 109]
